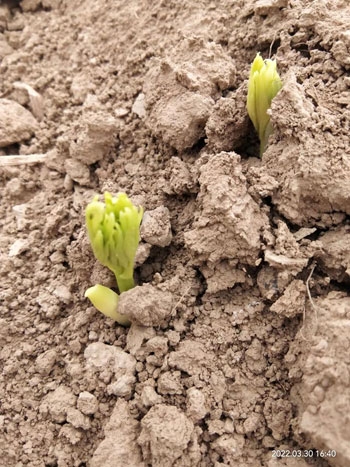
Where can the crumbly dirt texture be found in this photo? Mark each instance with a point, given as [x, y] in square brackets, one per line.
[238, 352]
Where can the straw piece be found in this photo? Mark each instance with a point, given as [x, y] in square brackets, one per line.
[30, 159]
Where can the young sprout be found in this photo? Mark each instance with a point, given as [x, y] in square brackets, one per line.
[113, 229]
[106, 301]
[264, 83]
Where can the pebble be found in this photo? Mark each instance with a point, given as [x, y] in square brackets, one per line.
[87, 403]
[17, 123]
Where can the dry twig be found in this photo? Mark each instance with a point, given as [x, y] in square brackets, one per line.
[30, 159]
[311, 302]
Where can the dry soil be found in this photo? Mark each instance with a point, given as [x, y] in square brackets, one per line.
[239, 349]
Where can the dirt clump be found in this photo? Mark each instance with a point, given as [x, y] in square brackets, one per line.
[119, 448]
[323, 377]
[180, 91]
[167, 437]
[146, 305]
[17, 123]
[228, 232]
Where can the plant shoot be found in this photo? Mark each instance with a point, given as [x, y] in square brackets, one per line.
[113, 229]
[264, 84]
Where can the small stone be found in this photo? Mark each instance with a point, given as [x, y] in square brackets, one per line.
[156, 227]
[68, 183]
[63, 293]
[57, 257]
[312, 409]
[229, 445]
[292, 302]
[5, 48]
[139, 106]
[136, 336]
[87, 403]
[5, 15]
[45, 361]
[20, 211]
[158, 345]
[122, 387]
[96, 138]
[181, 90]
[75, 346]
[30, 5]
[17, 124]
[18, 247]
[196, 406]
[174, 337]
[264, 7]
[58, 402]
[180, 178]
[142, 253]
[268, 442]
[166, 435]
[252, 423]
[77, 419]
[54, 160]
[71, 434]
[110, 360]
[120, 112]
[228, 122]
[80, 87]
[78, 171]
[149, 397]
[52, 4]
[146, 305]
[170, 383]
[319, 393]
[93, 336]
[119, 447]
[16, 24]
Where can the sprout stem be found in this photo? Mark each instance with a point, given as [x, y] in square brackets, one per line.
[262, 147]
[125, 284]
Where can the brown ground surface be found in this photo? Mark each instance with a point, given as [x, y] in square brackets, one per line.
[240, 341]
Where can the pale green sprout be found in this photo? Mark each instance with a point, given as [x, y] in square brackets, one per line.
[264, 84]
[113, 229]
[106, 301]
